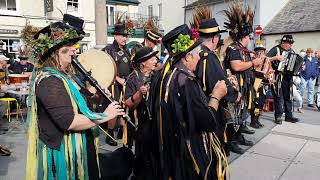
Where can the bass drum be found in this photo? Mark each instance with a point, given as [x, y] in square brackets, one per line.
[101, 66]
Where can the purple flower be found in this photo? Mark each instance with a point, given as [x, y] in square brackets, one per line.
[195, 33]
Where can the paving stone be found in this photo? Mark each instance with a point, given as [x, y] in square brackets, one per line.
[302, 171]
[302, 129]
[310, 154]
[278, 146]
[252, 166]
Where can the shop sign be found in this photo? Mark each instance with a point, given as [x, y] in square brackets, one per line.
[8, 31]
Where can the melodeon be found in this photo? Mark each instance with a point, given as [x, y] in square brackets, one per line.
[292, 63]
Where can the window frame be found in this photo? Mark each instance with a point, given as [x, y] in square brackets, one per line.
[150, 15]
[75, 13]
[6, 42]
[160, 10]
[12, 12]
[108, 6]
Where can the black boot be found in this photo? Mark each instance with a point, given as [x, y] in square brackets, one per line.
[292, 119]
[254, 122]
[246, 130]
[241, 140]
[234, 147]
[278, 120]
[110, 141]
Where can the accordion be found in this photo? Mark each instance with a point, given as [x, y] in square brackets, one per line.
[292, 64]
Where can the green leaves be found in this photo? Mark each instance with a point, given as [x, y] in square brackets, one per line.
[58, 36]
[181, 44]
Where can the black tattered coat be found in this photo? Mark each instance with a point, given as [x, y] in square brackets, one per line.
[181, 117]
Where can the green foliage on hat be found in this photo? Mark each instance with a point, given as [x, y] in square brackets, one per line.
[182, 43]
[58, 36]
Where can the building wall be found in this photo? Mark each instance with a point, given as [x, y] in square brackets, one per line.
[268, 9]
[173, 14]
[302, 40]
[265, 10]
[33, 11]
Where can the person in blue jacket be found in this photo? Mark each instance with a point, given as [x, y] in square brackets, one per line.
[309, 75]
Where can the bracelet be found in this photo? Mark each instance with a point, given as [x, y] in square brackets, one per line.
[132, 100]
[212, 97]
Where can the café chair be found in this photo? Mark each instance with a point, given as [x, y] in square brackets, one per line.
[8, 112]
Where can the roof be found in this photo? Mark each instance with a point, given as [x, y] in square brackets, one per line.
[126, 2]
[296, 16]
[203, 2]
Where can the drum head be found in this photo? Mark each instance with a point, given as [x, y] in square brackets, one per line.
[101, 66]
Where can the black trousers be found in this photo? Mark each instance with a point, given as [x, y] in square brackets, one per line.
[282, 101]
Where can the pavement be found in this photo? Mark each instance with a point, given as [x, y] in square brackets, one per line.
[281, 152]
[287, 152]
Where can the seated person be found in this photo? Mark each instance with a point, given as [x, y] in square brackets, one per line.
[22, 66]
[3, 68]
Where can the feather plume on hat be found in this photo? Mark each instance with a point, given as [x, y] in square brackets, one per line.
[200, 14]
[151, 26]
[240, 20]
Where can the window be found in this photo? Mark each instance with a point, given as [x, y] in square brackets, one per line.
[9, 7]
[11, 45]
[160, 10]
[150, 11]
[73, 6]
[110, 15]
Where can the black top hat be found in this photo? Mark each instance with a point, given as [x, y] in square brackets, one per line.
[287, 38]
[143, 54]
[209, 27]
[120, 29]
[153, 36]
[56, 35]
[259, 47]
[75, 22]
[170, 37]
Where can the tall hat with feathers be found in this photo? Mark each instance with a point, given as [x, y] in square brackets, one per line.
[200, 14]
[240, 20]
[124, 25]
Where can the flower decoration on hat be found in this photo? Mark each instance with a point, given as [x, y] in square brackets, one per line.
[57, 37]
[201, 14]
[126, 21]
[181, 44]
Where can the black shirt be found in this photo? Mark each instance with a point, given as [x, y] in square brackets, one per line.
[55, 115]
[213, 74]
[17, 68]
[121, 57]
[55, 111]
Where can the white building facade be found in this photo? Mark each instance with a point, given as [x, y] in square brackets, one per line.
[14, 14]
[170, 13]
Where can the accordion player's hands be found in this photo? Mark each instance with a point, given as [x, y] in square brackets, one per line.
[279, 57]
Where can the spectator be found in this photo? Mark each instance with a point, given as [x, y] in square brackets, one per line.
[309, 74]
[296, 94]
[22, 65]
[3, 68]
[302, 53]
